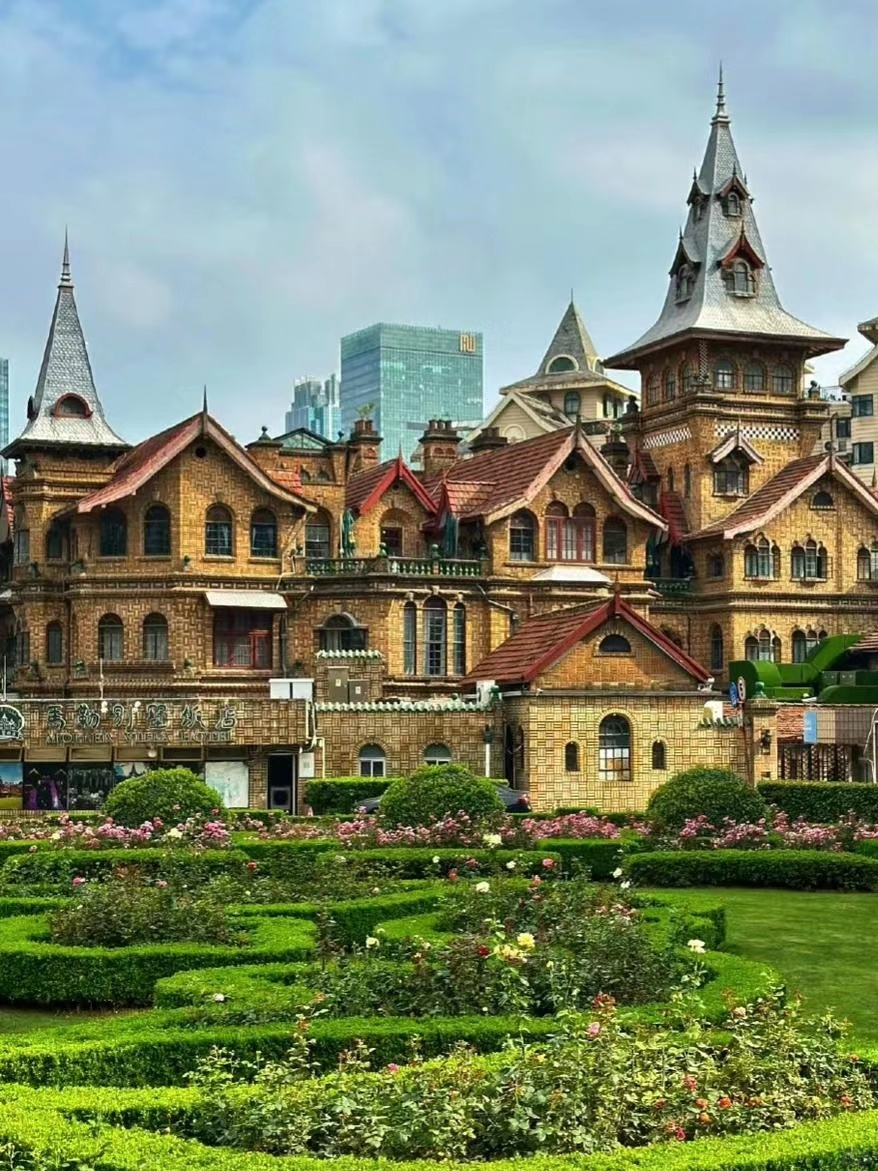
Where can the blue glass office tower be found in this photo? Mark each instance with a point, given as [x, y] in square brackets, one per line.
[4, 402]
[315, 406]
[410, 374]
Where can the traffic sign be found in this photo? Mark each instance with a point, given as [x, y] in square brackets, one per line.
[742, 689]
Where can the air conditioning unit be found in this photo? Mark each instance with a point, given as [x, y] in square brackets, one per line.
[291, 689]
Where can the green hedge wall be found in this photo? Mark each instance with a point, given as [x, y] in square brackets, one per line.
[343, 794]
[58, 867]
[822, 801]
[600, 856]
[795, 869]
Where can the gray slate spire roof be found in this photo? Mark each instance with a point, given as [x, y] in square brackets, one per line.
[65, 374]
[571, 340]
[710, 242]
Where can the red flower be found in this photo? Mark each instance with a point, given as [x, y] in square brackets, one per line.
[680, 1134]
[724, 1103]
[701, 1103]
[483, 951]
[689, 1082]
[548, 863]
[846, 1100]
[452, 876]
[252, 865]
[659, 1104]
[472, 863]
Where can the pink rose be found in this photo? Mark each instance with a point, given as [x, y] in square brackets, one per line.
[78, 881]
[548, 863]
[593, 1029]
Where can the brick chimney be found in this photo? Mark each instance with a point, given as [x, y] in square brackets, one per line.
[366, 444]
[614, 449]
[439, 445]
[487, 440]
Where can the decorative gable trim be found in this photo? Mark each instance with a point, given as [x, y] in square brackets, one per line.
[735, 441]
[742, 247]
[398, 472]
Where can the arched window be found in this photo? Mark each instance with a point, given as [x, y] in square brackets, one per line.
[867, 562]
[323, 476]
[782, 380]
[263, 533]
[155, 637]
[614, 644]
[733, 204]
[522, 537]
[659, 755]
[111, 641]
[808, 561]
[717, 652]
[373, 762]
[570, 538]
[458, 640]
[652, 390]
[731, 477]
[741, 279]
[670, 385]
[435, 636]
[56, 543]
[687, 378]
[342, 632]
[571, 757]
[20, 538]
[685, 282]
[157, 531]
[615, 550]
[672, 479]
[218, 532]
[113, 533]
[761, 559]
[391, 532]
[71, 406]
[754, 378]
[437, 754]
[716, 565]
[762, 647]
[561, 365]
[54, 643]
[614, 749]
[724, 375]
[822, 500]
[410, 638]
[687, 481]
[571, 404]
[607, 406]
[805, 641]
[318, 537]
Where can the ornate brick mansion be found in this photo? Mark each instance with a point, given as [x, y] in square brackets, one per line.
[557, 610]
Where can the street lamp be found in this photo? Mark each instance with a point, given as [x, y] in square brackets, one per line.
[488, 740]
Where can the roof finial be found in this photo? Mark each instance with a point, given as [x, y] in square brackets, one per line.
[204, 401]
[571, 294]
[66, 279]
[720, 98]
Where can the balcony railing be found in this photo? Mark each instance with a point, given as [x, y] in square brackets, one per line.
[672, 587]
[396, 566]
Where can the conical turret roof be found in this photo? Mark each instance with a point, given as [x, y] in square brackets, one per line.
[720, 229]
[65, 407]
[571, 341]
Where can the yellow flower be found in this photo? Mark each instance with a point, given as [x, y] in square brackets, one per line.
[525, 940]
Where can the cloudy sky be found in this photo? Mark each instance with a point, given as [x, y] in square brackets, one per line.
[246, 180]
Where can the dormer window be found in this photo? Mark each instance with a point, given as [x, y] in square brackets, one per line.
[740, 279]
[685, 283]
[733, 204]
[71, 406]
[561, 365]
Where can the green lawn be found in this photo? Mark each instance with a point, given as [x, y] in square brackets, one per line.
[824, 945]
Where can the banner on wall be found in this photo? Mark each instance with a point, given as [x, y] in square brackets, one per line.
[231, 779]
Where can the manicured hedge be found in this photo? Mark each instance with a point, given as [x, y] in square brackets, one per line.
[58, 867]
[822, 801]
[869, 847]
[343, 794]
[600, 856]
[795, 869]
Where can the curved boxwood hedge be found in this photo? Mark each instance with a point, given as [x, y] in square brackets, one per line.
[794, 869]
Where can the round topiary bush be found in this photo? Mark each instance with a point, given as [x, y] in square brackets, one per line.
[716, 793]
[436, 791]
[173, 794]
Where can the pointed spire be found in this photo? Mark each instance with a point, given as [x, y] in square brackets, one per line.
[66, 281]
[720, 115]
[571, 342]
[204, 401]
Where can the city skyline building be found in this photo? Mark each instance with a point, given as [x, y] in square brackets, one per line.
[4, 401]
[315, 407]
[405, 375]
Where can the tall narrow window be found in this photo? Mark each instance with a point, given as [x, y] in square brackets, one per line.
[435, 636]
[717, 654]
[410, 638]
[614, 749]
[458, 640]
[318, 531]
[687, 481]
[54, 643]
[808, 561]
[571, 404]
[218, 532]
[522, 541]
[659, 755]
[56, 543]
[570, 538]
[670, 385]
[761, 560]
[571, 757]
[20, 538]
[615, 551]
[754, 377]
[724, 375]
[110, 638]
[867, 563]
[782, 380]
[155, 637]
[761, 647]
[157, 531]
[263, 533]
[730, 477]
[113, 533]
[653, 390]
[687, 378]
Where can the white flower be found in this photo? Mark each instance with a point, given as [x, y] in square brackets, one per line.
[624, 885]
[618, 872]
[492, 840]
[371, 941]
[175, 833]
[56, 836]
[696, 945]
[525, 940]
[376, 890]
[436, 859]
[510, 865]
[219, 997]
[482, 888]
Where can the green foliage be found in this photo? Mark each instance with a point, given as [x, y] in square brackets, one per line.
[822, 801]
[55, 870]
[433, 792]
[599, 856]
[172, 794]
[343, 794]
[795, 869]
[716, 793]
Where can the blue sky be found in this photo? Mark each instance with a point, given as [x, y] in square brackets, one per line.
[246, 180]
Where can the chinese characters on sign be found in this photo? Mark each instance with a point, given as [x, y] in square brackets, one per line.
[137, 723]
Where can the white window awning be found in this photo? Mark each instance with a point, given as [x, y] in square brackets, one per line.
[244, 600]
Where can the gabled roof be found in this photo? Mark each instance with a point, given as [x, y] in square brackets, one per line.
[509, 477]
[303, 439]
[66, 373]
[539, 643]
[735, 441]
[364, 489]
[543, 416]
[673, 510]
[707, 239]
[139, 466]
[782, 490]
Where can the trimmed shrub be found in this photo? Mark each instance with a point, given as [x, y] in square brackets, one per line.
[436, 791]
[822, 801]
[716, 793]
[793, 869]
[599, 856]
[56, 869]
[173, 794]
[343, 794]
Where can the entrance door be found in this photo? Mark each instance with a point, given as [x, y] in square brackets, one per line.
[282, 781]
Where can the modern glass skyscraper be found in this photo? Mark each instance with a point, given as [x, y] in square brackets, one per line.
[410, 374]
[4, 401]
[315, 406]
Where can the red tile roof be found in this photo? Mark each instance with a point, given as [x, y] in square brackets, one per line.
[364, 489]
[8, 482]
[643, 465]
[673, 510]
[542, 641]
